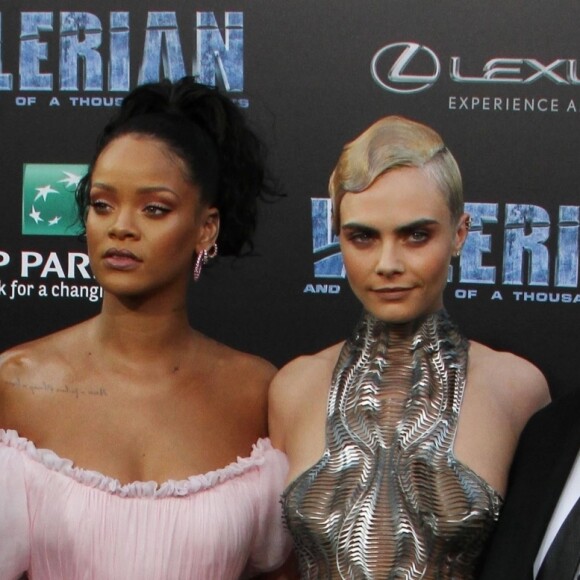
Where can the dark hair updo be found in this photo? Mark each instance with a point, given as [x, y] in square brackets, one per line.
[209, 133]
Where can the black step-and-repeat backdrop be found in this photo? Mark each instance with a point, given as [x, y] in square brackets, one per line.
[499, 80]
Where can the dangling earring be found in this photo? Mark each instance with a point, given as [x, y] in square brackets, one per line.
[199, 263]
[212, 252]
[202, 259]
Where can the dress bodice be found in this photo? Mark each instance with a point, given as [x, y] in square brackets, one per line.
[59, 521]
[388, 499]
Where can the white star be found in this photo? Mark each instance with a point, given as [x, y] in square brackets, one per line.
[70, 179]
[35, 215]
[44, 191]
[54, 220]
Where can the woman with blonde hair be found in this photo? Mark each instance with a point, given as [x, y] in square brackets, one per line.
[399, 439]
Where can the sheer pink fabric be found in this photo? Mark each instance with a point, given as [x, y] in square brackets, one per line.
[58, 521]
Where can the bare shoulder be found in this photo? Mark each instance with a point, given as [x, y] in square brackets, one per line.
[249, 370]
[26, 367]
[241, 378]
[515, 383]
[300, 385]
[27, 359]
[294, 380]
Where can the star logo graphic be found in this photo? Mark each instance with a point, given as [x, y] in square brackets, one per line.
[71, 179]
[44, 191]
[35, 215]
[48, 199]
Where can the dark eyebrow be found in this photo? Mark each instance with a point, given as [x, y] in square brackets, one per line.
[101, 185]
[359, 228]
[411, 226]
[142, 190]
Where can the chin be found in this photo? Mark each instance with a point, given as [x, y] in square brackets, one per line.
[122, 288]
[393, 315]
[398, 313]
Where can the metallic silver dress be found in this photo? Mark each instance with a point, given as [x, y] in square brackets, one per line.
[388, 499]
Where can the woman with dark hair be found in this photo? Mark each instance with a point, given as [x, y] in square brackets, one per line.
[169, 473]
[399, 439]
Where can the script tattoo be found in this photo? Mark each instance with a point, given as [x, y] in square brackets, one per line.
[45, 387]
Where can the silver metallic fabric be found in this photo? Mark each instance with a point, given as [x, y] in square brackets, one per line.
[388, 499]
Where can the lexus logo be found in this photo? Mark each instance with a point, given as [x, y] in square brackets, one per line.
[397, 79]
[396, 68]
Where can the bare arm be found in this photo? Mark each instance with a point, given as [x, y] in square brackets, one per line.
[502, 393]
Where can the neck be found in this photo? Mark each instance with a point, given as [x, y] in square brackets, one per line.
[139, 327]
[399, 334]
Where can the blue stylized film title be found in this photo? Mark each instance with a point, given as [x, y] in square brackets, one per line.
[526, 233]
[477, 244]
[73, 51]
[32, 51]
[119, 65]
[323, 240]
[219, 58]
[160, 26]
[518, 242]
[568, 247]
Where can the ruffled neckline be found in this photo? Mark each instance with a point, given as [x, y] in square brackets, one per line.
[137, 489]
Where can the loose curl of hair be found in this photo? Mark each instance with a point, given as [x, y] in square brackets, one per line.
[209, 133]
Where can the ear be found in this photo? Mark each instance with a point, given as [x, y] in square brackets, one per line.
[462, 229]
[209, 228]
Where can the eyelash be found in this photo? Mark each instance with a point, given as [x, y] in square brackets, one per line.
[152, 209]
[416, 237]
[424, 236]
[156, 210]
[99, 206]
[360, 237]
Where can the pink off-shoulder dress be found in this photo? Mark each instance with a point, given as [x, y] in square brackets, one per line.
[61, 522]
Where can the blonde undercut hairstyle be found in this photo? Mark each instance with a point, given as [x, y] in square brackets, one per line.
[389, 143]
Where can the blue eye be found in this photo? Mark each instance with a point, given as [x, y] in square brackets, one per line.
[360, 237]
[419, 236]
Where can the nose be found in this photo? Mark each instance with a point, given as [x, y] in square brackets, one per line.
[390, 260]
[123, 226]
